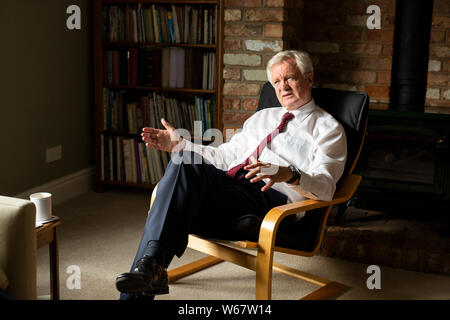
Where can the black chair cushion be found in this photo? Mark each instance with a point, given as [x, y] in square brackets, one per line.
[292, 233]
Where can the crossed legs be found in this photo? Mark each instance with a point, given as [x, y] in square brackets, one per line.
[192, 197]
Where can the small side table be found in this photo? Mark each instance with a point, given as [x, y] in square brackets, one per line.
[46, 234]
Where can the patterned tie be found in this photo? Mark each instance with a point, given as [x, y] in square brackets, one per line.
[233, 172]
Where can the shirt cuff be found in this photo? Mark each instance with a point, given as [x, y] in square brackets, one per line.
[188, 146]
[307, 185]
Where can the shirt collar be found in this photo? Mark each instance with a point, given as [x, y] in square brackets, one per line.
[304, 111]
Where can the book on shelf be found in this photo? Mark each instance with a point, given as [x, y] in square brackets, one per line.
[129, 160]
[119, 158]
[149, 67]
[164, 25]
[128, 117]
[102, 157]
[173, 67]
[134, 117]
[120, 66]
[156, 23]
[133, 66]
[160, 23]
[143, 163]
[176, 25]
[181, 65]
[170, 23]
[187, 16]
[111, 158]
[197, 68]
[137, 162]
[193, 26]
[176, 67]
[168, 67]
[188, 69]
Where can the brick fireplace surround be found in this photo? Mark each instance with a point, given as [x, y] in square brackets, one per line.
[346, 55]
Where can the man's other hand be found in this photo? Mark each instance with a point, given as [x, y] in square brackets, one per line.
[259, 170]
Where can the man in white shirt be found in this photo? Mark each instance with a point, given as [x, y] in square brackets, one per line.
[302, 158]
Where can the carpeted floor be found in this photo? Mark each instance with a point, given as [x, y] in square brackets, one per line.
[100, 232]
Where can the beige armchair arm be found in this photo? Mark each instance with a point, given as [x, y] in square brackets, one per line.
[18, 246]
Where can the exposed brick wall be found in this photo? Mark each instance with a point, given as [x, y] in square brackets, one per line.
[438, 93]
[348, 55]
[254, 31]
[345, 52]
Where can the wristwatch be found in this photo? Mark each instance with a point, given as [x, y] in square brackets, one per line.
[295, 173]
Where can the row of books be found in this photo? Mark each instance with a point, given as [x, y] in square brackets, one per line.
[170, 67]
[161, 23]
[129, 160]
[128, 115]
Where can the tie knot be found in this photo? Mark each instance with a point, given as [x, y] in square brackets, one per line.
[286, 118]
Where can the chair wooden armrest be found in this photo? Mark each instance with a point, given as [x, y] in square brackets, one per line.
[343, 193]
[269, 226]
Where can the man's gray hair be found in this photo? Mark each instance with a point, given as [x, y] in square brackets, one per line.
[302, 58]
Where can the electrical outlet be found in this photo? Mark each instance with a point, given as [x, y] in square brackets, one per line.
[53, 154]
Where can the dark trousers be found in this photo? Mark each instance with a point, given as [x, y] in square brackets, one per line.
[194, 197]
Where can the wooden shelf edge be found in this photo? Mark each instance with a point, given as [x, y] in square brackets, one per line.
[163, 1]
[126, 184]
[110, 132]
[157, 44]
[162, 89]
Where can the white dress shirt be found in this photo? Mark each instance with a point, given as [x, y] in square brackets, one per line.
[313, 141]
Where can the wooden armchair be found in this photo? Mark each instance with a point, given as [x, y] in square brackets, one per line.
[350, 109]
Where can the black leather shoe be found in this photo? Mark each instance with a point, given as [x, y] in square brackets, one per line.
[148, 278]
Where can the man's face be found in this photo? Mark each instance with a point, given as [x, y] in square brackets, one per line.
[293, 89]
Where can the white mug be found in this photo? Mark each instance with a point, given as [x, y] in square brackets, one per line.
[43, 203]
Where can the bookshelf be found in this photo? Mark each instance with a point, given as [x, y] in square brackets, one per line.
[152, 59]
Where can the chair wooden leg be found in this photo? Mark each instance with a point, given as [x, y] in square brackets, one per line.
[223, 252]
[263, 264]
[263, 290]
[332, 290]
[263, 285]
[328, 289]
[192, 267]
[300, 274]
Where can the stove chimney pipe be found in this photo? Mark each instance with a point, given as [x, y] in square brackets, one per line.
[410, 54]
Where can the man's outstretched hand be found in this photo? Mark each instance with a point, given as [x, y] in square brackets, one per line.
[166, 140]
